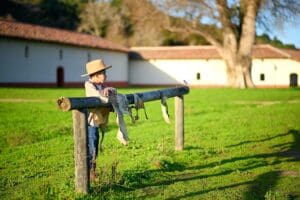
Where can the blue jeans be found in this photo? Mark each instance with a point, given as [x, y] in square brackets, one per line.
[93, 142]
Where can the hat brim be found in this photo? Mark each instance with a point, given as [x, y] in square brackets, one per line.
[85, 75]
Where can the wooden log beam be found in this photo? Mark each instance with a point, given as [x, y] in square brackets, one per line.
[158, 94]
[71, 103]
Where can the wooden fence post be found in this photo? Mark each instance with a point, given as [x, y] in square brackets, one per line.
[179, 123]
[80, 150]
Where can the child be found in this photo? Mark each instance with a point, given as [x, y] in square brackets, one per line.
[98, 117]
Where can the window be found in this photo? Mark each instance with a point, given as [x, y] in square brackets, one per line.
[293, 80]
[60, 76]
[262, 77]
[198, 76]
[26, 51]
[88, 56]
[61, 54]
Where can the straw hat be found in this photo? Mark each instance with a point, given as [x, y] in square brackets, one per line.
[95, 66]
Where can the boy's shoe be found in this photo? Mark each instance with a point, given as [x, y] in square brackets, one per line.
[94, 176]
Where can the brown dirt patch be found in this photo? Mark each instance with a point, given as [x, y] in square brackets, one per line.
[265, 103]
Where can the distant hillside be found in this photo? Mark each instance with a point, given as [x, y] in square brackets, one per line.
[53, 13]
[127, 22]
[133, 23]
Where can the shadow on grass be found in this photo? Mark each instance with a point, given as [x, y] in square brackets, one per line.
[209, 190]
[263, 186]
[259, 188]
[262, 140]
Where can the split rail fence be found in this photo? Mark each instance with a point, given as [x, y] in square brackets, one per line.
[79, 106]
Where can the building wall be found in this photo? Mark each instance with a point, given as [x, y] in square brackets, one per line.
[276, 72]
[212, 72]
[172, 72]
[40, 66]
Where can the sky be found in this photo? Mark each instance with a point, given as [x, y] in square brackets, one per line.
[290, 34]
[290, 37]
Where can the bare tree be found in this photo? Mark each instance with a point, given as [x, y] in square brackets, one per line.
[95, 19]
[127, 22]
[235, 24]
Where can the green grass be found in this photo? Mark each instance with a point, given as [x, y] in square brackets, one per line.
[239, 144]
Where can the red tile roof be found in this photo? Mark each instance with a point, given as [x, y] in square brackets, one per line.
[295, 53]
[174, 52]
[40, 33]
[203, 52]
[268, 51]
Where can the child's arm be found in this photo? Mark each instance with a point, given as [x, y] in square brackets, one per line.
[108, 90]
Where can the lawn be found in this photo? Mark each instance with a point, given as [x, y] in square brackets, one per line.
[239, 144]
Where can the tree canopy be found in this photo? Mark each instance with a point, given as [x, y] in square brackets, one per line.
[128, 22]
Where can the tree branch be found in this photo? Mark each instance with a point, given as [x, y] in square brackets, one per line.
[224, 16]
[229, 35]
[250, 10]
[204, 34]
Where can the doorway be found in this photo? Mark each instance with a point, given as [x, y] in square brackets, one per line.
[60, 76]
[293, 80]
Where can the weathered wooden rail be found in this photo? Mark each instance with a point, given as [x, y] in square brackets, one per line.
[71, 103]
[79, 106]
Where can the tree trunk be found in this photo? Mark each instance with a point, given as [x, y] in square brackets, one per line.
[246, 62]
[248, 77]
[237, 43]
[239, 75]
[249, 11]
[240, 78]
[238, 71]
[234, 69]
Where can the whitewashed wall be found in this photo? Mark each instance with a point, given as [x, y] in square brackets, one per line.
[43, 60]
[276, 71]
[212, 72]
[41, 67]
[172, 72]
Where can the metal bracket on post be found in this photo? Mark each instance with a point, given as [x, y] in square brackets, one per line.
[82, 182]
[179, 123]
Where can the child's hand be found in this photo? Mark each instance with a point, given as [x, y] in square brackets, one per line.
[108, 90]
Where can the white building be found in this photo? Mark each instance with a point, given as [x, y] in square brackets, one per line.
[202, 66]
[38, 56]
[32, 55]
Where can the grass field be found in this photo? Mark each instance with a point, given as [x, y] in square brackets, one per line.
[239, 144]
